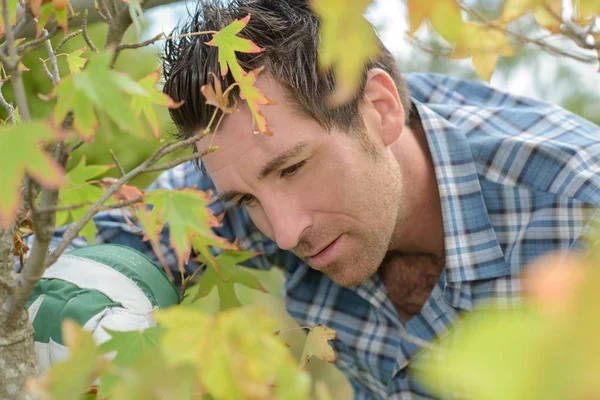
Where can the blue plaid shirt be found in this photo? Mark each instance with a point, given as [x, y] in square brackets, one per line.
[517, 178]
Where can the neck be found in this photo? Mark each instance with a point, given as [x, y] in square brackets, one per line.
[422, 230]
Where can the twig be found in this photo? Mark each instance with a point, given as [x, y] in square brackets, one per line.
[7, 106]
[117, 162]
[52, 59]
[78, 145]
[116, 206]
[84, 31]
[72, 231]
[64, 40]
[141, 44]
[105, 10]
[100, 13]
[526, 40]
[46, 70]
[114, 9]
[171, 164]
[13, 65]
[34, 44]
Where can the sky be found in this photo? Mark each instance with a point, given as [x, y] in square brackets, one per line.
[390, 15]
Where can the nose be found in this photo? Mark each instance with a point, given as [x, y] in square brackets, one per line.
[288, 221]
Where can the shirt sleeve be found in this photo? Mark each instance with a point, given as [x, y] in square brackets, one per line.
[113, 227]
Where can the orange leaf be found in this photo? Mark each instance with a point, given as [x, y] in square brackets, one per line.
[214, 95]
[254, 98]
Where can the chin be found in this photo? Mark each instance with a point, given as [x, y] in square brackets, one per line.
[347, 276]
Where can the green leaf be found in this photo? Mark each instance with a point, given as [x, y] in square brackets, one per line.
[143, 103]
[79, 191]
[75, 61]
[230, 273]
[136, 12]
[233, 353]
[130, 347]
[12, 14]
[342, 22]
[190, 221]
[227, 41]
[69, 380]
[317, 345]
[184, 329]
[15, 142]
[98, 88]
[150, 378]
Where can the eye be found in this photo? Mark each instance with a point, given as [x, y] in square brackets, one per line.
[292, 170]
[246, 200]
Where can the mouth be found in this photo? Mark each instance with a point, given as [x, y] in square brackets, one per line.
[326, 255]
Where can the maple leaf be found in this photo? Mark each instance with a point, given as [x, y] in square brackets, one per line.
[254, 98]
[129, 347]
[190, 221]
[70, 379]
[342, 21]
[124, 193]
[79, 191]
[227, 42]
[316, 345]
[143, 103]
[231, 359]
[230, 273]
[214, 95]
[184, 328]
[75, 61]
[101, 88]
[484, 45]
[544, 11]
[15, 142]
[444, 15]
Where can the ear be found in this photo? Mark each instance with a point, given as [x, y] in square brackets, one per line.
[383, 102]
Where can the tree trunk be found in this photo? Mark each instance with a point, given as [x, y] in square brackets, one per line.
[17, 354]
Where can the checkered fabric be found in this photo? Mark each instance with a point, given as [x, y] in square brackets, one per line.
[517, 178]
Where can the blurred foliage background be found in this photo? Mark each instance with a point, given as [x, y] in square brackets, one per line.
[531, 72]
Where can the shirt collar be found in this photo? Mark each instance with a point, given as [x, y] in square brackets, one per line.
[472, 248]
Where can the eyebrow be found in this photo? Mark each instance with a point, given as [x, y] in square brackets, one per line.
[269, 167]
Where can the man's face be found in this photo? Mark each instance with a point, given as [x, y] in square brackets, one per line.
[315, 192]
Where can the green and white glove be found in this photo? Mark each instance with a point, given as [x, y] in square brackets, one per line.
[100, 286]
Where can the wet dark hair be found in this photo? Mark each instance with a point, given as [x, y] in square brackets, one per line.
[289, 32]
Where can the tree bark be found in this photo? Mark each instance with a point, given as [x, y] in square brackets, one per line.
[17, 355]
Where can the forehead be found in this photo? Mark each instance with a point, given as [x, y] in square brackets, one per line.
[239, 145]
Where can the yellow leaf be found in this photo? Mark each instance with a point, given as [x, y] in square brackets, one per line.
[185, 328]
[514, 9]
[444, 15]
[344, 27]
[316, 345]
[485, 65]
[484, 45]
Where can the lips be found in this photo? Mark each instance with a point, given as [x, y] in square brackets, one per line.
[326, 255]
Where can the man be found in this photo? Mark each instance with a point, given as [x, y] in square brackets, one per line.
[420, 200]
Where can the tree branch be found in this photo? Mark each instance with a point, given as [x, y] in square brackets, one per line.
[34, 44]
[86, 37]
[53, 61]
[73, 230]
[7, 106]
[43, 225]
[64, 40]
[121, 204]
[526, 40]
[13, 65]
